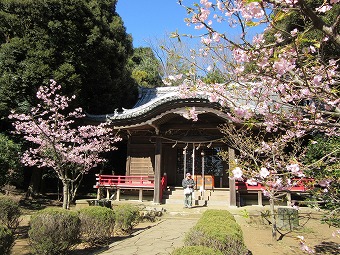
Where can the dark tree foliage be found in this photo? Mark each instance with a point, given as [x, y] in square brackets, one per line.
[312, 36]
[146, 68]
[322, 158]
[82, 44]
[328, 49]
[10, 166]
[216, 76]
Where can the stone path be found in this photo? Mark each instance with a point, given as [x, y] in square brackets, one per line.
[160, 239]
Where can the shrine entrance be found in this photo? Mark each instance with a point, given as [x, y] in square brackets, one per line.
[205, 164]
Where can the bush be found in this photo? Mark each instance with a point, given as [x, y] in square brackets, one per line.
[9, 212]
[96, 224]
[196, 250]
[126, 217]
[6, 240]
[217, 229]
[54, 231]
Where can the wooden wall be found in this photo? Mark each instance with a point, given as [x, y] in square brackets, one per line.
[141, 159]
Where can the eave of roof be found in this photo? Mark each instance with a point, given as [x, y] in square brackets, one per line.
[155, 103]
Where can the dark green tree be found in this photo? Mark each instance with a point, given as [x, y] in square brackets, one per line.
[313, 36]
[146, 68]
[82, 44]
[10, 166]
[322, 158]
[216, 76]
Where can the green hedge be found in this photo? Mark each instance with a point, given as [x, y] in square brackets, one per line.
[6, 240]
[126, 217]
[96, 224]
[54, 231]
[217, 229]
[196, 250]
[9, 212]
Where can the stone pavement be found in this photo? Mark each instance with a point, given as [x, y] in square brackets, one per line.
[162, 237]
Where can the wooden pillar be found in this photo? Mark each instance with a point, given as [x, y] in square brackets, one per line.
[128, 158]
[118, 194]
[157, 191]
[289, 198]
[259, 198]
[98, 193]
[232, 187]
[140, 198]
[107, 193]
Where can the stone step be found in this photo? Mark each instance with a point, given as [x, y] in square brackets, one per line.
[181, 201]
[200, 196]
[216, 197]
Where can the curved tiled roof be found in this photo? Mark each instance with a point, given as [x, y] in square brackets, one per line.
[149, 100]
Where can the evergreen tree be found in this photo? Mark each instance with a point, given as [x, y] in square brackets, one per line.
[82, 44]
[146, 68]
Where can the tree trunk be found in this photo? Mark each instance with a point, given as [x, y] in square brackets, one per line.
[273, 219]
[66, 196]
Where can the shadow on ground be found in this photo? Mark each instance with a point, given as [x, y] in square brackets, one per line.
[103, 248]
[329, 248]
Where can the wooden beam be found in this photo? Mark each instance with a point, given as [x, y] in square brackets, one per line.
[157, 191]
[232, 186]
[186, 126]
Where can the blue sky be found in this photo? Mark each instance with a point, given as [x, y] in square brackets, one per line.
[151, 19]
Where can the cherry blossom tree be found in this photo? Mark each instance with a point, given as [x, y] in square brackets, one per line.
[285, 83]
[267, 159]
[285, 86]
[59, 142]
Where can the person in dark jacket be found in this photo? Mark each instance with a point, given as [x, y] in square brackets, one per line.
[188, 185]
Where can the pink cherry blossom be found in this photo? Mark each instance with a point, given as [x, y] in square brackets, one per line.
[216, 37]
[324, 8]
[295, 169]
[294, 32]
[317, 79]
[237, 173]
[252, 182]
[59, 144]
[283, 66]
[282, 93]
[206, 3]
[264, 172]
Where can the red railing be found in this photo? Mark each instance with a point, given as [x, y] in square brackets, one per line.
[124, 181]
[299, 185]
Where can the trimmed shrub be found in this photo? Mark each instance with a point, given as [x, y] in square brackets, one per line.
[9, 212]
[196, 250]
[217, 229]
[96, 224]
[126, 217]
[6, 240]
[54, 231]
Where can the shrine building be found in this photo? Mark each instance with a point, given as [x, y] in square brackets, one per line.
[161, 141]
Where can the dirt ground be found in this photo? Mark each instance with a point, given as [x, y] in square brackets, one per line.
[257, 235]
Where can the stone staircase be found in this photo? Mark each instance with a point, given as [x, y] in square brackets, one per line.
[215, 197]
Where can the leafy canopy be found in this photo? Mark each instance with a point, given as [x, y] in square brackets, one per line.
[83, 44]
